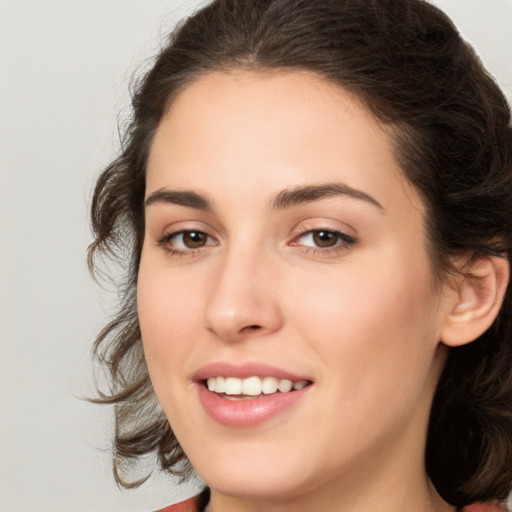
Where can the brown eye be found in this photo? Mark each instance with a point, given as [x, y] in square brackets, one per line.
[186, 241]
[194, 239]
[325, 238]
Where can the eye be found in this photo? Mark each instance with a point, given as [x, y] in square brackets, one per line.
[186, 241]
[320, 239]
[324, 239]
[190, 239]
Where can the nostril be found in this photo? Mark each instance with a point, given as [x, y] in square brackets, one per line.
[253, 327]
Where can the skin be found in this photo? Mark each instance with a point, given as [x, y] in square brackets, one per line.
[361, 320]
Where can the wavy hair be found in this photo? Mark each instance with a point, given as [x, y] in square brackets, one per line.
[451, 126]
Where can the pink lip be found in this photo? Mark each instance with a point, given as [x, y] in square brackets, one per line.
[246, 413]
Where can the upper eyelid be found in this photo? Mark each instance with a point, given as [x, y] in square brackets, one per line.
[325, 225]
[169, 234]
[184, 226]
[337, 232]
[330, 230]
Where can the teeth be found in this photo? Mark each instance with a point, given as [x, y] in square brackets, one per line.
[233, 386]
[220, 384]
[285, 385]
[300, 384]
[253, 386]
[217, 384]
[269, 385]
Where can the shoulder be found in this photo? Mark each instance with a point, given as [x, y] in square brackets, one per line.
[190, 505]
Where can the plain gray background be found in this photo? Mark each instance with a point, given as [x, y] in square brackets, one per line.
[64, 72]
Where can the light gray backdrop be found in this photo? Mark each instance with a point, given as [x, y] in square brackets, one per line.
[64, 70]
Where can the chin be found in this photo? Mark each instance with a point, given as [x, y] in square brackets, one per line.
[263, 477]
[259, 486]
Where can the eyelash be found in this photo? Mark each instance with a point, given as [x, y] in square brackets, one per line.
[165, 240]
[343, 242]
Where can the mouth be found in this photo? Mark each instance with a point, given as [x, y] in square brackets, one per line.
[250, 394]
[251, 388]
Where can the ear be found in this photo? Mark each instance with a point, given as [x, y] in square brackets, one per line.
[476, 300]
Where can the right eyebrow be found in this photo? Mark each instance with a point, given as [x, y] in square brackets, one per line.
[179, 197]
[310, 193]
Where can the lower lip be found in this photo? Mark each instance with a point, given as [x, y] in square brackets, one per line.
[247, 413]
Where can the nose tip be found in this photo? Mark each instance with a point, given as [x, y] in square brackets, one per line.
[241, 304]
[234, 323]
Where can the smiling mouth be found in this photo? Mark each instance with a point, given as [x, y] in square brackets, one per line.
[233, 388]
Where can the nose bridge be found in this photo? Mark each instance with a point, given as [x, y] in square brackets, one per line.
[241, 297]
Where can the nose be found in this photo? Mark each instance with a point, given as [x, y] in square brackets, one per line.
[243, 298]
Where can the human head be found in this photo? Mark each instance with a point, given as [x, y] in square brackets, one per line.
[406, 63]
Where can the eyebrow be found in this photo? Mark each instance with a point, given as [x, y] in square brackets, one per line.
[179, 197]
[284, 199]
[310, 193]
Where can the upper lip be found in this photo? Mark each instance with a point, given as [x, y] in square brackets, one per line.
[243, 371]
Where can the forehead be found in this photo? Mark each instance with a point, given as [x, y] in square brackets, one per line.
[269, 131]
[241, 102]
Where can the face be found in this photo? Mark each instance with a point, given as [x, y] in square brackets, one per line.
[284, 249]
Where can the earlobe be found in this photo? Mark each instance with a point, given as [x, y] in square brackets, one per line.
[478, 296]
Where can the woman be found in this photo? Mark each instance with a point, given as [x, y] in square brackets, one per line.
[316, 202]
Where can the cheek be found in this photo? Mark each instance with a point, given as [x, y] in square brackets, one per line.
[169, 314]
[374, 343]
[373, 321]
[167, 301]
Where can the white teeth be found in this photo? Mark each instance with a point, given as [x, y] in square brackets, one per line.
[269, 385]
[233, 386]
[285, 385]
[252, 386]
[220, 384]
[300, 384]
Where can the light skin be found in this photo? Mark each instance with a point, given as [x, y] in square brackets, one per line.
[280, 230]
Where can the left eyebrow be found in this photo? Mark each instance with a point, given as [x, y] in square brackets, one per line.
[310, 193]
[180, 197]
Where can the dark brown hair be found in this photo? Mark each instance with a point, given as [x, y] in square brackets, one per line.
[407, 63]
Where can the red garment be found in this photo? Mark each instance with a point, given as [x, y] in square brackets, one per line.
[192, 505]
